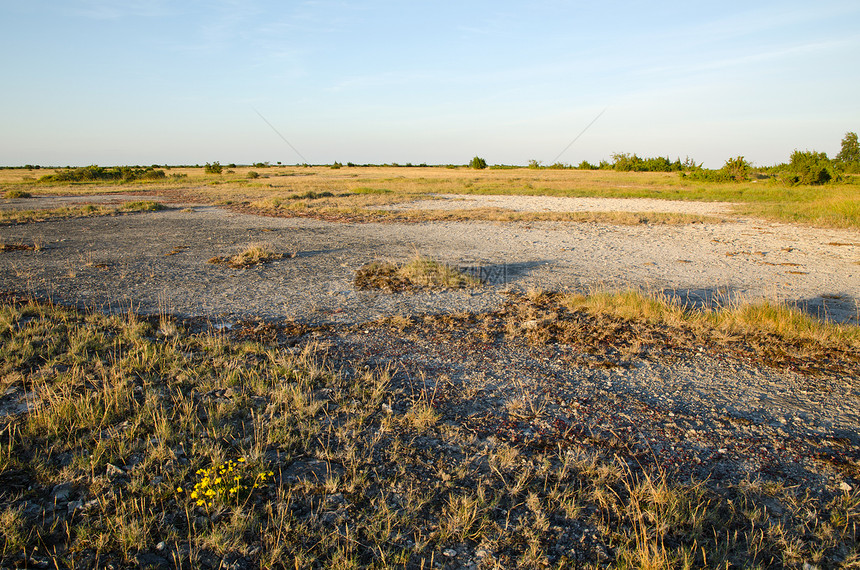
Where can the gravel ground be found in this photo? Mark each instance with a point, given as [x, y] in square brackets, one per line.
[157, 262]
[712, 413]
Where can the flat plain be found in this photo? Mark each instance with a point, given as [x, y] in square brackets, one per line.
[643, 371]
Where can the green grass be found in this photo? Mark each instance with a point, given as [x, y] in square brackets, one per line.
[364, 472]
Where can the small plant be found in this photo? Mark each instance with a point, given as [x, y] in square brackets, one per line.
[253, 255]
[214, 168]
[16, 193]
[230, 482]
[420, 272]
[253, 174]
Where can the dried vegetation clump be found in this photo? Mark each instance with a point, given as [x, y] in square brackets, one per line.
[256, 254]
[420, 273]
[111, 436]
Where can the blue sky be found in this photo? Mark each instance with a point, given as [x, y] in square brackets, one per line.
[154, 81]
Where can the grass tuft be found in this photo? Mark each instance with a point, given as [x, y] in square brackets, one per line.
[255, 254]
[420, 272]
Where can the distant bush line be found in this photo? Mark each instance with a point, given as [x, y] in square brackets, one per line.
[100, 173]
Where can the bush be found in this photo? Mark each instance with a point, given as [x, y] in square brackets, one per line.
[585, 165]
[98, 173]
[478, 163]
[737, 169]
[253, 174]
[625, 162]
[214, 168]
[809, 167]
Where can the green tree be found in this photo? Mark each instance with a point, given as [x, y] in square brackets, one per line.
[478, 163]
[850, 149]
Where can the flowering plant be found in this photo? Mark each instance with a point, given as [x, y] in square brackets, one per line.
[228, 482]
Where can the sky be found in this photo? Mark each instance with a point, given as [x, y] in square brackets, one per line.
[123, 82]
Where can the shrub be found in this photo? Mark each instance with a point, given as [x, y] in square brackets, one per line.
[585, 165]
[626, 162]
[253, 174]
[737, 169]
[809, 167]
[214, 168]
[97, 173]
[478, 163]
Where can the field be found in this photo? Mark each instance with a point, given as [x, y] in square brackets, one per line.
[306, 368]
[358, 192]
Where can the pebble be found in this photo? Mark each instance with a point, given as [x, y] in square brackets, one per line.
[112, 471]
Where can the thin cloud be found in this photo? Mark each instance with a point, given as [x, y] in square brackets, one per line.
[117, 9]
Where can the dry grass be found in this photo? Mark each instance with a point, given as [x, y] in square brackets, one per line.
[84, 211]
[255, 254]
[419, 273]
[98, 471]
[733, 318]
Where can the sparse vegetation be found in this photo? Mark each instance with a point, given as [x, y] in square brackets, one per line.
[117, 428]
[17, 193]
[86, 210]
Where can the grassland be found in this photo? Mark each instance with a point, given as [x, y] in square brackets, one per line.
[357, 193]
[129, 442]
